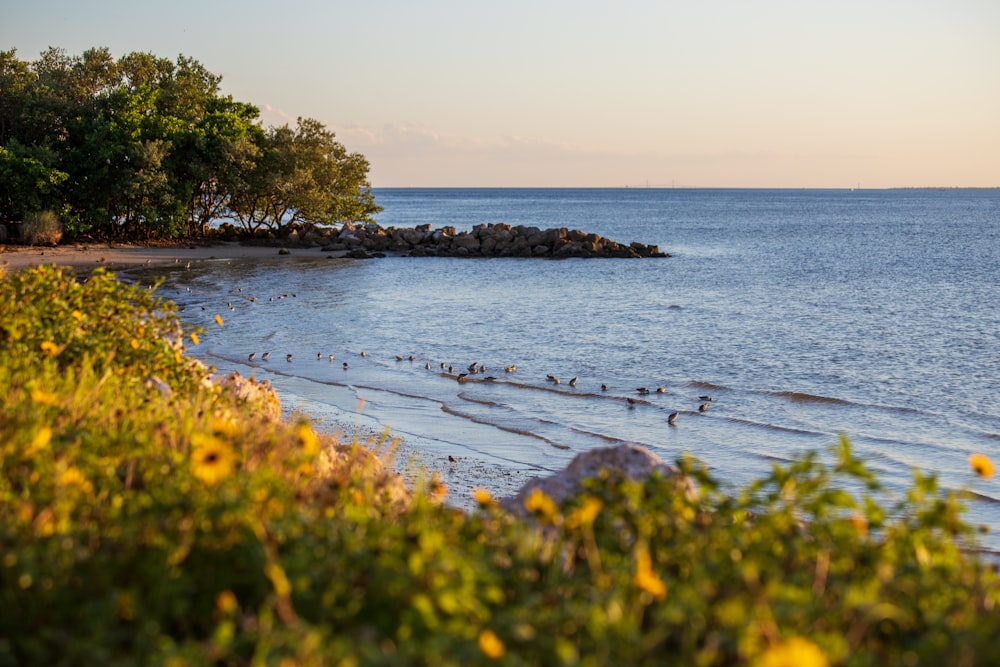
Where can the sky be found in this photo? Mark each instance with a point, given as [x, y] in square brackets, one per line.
[710, 93]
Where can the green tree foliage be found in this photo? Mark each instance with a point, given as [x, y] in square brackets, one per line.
[144, 147]
[303, 174]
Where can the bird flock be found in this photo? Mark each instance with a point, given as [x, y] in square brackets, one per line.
[474, 372]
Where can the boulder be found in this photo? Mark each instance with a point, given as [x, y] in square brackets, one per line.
[622, 461]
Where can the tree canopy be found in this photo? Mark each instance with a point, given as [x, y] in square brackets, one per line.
[144, 147]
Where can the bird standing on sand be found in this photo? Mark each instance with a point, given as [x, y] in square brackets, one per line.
[252, 355]
[672, 418]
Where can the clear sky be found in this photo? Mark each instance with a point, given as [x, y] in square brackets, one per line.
[709, 93]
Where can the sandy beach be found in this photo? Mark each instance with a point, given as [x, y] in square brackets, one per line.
[116, 257]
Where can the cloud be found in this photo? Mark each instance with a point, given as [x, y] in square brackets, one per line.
[276, 117]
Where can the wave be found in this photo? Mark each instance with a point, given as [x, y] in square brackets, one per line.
[774, 427]
[801, 397]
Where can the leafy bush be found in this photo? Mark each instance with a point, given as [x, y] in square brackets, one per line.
[149, 517]
[42, 228]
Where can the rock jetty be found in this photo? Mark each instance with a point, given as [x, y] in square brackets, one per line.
[488, 240]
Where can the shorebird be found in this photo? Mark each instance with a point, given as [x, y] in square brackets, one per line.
[399, 357]
[443, 365]
[703, 407]
[427, 365]
[572, 382]
[661, 390]
[331, 358]
[642, 390]
[288, 357]
[451, 369]
[473, 366]
[363, 353]
[345, 365]
[510, 369]
[451, 459]
[672, 418]
[252, 355]
[265, 356]
[604, 387]
[707, 399]
[630, 402]
[462, 377]
[319, 355]
[489, 378]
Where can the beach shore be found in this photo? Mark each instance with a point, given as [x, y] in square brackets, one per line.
[461, 478]
[117, 257]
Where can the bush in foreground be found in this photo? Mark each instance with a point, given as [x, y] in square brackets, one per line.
[147, 516]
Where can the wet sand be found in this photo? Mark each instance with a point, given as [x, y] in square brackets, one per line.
[82, 258]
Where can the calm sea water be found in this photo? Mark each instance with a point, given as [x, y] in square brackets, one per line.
[803, 313]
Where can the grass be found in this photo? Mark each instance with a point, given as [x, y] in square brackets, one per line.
[149, 516]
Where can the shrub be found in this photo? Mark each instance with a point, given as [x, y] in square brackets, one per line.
[42, 228]
[148, 517]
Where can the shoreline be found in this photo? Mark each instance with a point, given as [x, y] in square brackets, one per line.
[82, 258]
[461, 479]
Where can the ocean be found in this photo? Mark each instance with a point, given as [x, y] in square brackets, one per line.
[804, 314]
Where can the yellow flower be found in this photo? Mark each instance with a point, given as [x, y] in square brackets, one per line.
[226, 602]
[308, 438]
[72, 476]
[439, 491]
[77, 315]
[539, 503]
[44, 397]
[134, 344]
[225, 426]
[218, 319]
[645, 578]
[482, 497]
[982, 465]
[50, 348]
[796, 652]
[212, 460]
[585, 514]
[491, 645]
[194, 338]
[40, 441]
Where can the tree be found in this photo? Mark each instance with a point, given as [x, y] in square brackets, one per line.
[147, 147]
[303, 175]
